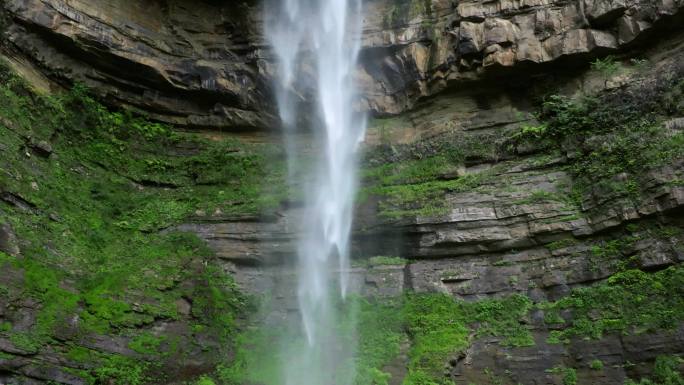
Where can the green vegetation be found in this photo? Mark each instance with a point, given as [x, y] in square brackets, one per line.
[383, 260]
[542, 196]
[90, 189]
[439, 327]
[436, 325]
[416, 187]
[121, 370]
[631, 301]
[596, 365]
[611, 140]
[568, 375]
[380, 260]
[146, 344]
[667, 371]
[205, 380]
[412, 179]
[561, 244]
[607, 67]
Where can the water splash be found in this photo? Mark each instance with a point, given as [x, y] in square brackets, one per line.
[317, 44]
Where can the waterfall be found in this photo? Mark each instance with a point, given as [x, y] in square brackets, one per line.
[316, 43]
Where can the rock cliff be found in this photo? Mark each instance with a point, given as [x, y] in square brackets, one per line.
[510, 164]
[205, 64]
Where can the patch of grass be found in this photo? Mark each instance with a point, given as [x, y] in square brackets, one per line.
[5, 326]
[80, 354]
[204, 380]
[380, 335]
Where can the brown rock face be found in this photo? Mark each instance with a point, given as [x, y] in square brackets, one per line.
[418, 53]
[204, 64]
[190, 63]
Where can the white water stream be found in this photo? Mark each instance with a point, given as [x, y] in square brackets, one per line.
[317, 44]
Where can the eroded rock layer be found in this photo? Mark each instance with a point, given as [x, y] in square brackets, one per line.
[205, 64]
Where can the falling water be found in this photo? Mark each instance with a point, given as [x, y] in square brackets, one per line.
[316, 43]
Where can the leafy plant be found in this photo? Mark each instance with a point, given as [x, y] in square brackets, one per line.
[607, 67]
[596, 365]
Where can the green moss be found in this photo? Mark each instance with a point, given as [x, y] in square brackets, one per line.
[5, 326]
[147, 344]
[380, 260]
[412, 179]
[120, 370]
[542, 196]
[424, 198]
[439, 327]
[632, 301]
[28, 342]
[380, 335]
[80, 354]
[93, 258]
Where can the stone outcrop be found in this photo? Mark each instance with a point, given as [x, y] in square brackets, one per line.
[204, 64]
[422, 48]
[189, 63]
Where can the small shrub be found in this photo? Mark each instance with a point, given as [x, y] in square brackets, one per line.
[596, 365]
[570, 376]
